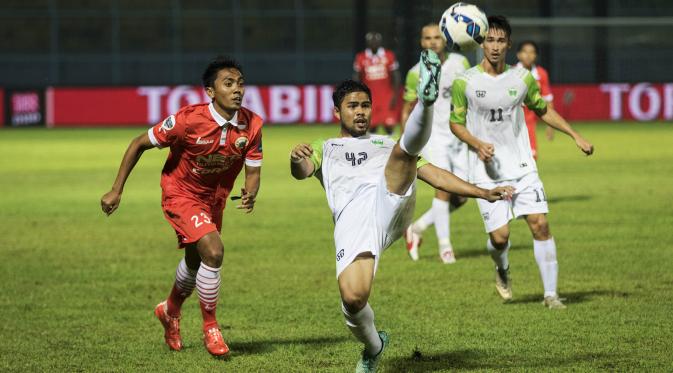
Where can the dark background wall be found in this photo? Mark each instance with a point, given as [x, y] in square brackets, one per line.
[133, 42]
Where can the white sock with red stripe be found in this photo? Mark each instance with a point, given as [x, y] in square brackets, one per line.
[208, 288]
[185, 281]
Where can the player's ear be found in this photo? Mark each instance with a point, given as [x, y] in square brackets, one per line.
[337, 113]
[210, 91]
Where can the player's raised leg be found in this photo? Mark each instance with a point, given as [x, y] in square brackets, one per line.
[400, 171]
[544, 248]
[355, 284]
[208, 287]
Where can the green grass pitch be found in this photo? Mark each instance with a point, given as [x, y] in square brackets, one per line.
[77, 289]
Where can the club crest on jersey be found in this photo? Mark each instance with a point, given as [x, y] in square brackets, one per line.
[241, 142]
[512, 92]
[168, 123]
[480, 94]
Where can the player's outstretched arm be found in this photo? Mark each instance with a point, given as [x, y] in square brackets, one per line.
[450, 183]
[110, 200]
[301, 166]
[249, 193]
[555, 120]
[485, 151]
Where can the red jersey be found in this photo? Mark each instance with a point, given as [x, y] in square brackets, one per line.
[374, 69]
[542, 78]
[207, 151]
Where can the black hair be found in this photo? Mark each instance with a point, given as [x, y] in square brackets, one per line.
[527, 42]
[219, 63]
[346, 87]
[500, 23]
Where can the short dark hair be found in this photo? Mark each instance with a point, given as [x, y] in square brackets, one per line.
[346, 87]
[219, 63]
[527, 42]
[500, 23]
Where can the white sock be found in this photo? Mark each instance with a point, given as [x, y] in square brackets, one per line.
[362, 326]
[440, 210]
[185, 278]
[499, 256]
[545, 256]
[417, 129]
[424, 221]
[208, 285]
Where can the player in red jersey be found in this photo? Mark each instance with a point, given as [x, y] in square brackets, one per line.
[209, 145]
[378, 69]
[527, 54]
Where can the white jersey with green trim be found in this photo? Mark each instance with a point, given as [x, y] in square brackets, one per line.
[347, 166]
[453, 65]
[492, 108]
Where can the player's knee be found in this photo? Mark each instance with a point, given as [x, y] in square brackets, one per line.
[354, 301]
[211, 252]
[539, 227]
[500, 239]
[455, 201]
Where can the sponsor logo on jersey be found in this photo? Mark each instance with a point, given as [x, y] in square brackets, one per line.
[168, 123]
[486, 215]
[340, 255]
[214, 163]
[480, 94]
[378, 142]
[200, 141]
[241, 142]
[512, 92]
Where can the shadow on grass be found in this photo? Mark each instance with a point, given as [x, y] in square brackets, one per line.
[265, 346]
[482, 359]
[483, 252]
[560, 199]
[573, 297]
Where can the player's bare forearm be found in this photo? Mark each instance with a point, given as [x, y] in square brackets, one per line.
[555, 120]
[448, 182]
[485, 151]
[443, 180]
[253, 177]
[249, 192]
[131, 156]
[110, 200]
[301, 166]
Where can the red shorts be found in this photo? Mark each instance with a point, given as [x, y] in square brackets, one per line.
[192, 219]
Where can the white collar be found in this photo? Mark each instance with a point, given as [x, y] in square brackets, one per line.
[379, 52]
[220, 119]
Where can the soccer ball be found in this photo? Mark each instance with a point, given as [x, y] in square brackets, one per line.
[464, 26]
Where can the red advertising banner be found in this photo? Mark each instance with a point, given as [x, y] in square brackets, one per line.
[125, 106]
[614, 101]
[90, 107]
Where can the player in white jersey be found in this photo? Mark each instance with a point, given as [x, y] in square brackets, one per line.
[443, 150]
[488, 115]
[369, 182]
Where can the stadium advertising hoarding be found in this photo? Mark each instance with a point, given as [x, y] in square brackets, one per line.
[279, 104]
[79, 107]
[22, 107]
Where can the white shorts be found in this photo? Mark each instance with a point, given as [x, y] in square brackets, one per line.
[447, 153]
[529, 198]
[371, 222]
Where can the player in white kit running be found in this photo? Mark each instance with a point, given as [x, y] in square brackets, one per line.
[369, 182]
[488, 115]
[443, 149]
